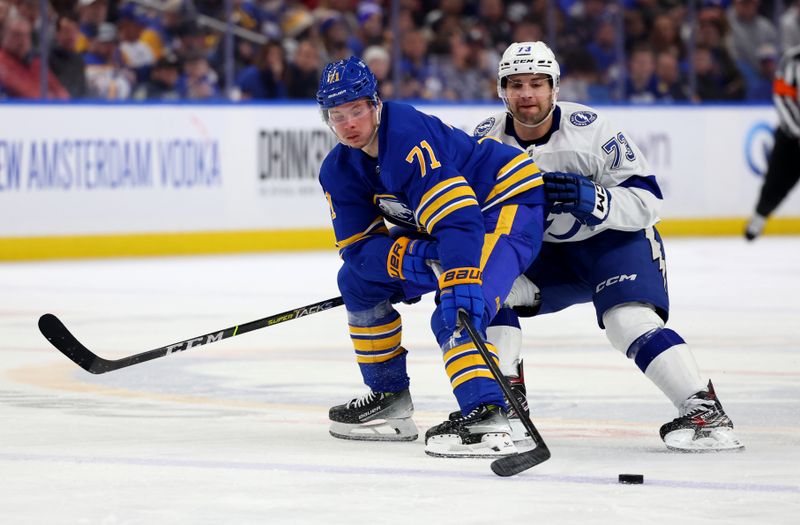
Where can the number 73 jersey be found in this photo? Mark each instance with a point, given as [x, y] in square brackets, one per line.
[430, 177]
[582, 141]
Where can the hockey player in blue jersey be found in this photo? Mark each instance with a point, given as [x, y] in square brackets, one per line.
[600, 243]
[473, 205]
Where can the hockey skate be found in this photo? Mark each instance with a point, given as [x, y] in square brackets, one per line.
[754, 227]
[702, 426]
[375, 416]
[519, 434]
[483, 433]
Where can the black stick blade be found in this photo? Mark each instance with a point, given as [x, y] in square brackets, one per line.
[66, 343]
[512, 465]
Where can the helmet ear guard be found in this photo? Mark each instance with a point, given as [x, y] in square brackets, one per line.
[346, 81]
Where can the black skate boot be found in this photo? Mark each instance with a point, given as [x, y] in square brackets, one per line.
[375, 416]
[483, 433]
[702, 426]
[754, 227]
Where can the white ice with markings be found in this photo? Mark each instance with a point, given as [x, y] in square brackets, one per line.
[236, 432]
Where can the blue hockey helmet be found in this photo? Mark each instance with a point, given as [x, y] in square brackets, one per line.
[345, 81]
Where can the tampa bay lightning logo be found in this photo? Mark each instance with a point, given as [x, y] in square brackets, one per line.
[582, 118]
[757, 147]
[484, 127]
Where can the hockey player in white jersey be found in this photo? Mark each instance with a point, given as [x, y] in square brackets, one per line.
[600, 243]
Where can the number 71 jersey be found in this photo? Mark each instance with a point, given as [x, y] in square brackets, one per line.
[429, 176]
[582, 141]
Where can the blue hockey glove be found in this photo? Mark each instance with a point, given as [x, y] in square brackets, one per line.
[408, 260]
[571, 193]
[460, 289]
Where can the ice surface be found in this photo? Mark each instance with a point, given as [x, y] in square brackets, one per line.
[236, 432]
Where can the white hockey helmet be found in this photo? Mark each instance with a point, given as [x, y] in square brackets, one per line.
[527, 57]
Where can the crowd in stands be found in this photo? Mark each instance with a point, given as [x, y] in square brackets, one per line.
[449, 49]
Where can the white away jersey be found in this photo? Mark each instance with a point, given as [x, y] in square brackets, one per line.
[582, 141]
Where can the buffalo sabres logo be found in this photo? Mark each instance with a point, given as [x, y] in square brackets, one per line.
[394, 210]
[582, 118]
[484, 127]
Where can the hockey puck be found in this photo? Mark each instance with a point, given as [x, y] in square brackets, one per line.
[631, 479]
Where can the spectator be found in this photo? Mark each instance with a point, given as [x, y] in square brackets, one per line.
[91, 13]
[713, 34]
[485, 60]
[297, 23]
[459, 75]
[790, 26]
[163, 82]
[134, 52]
[345, 13]
[585, 18]
[199, 81]
[641, 84]
[303, 71]
[711, 85]
[664, 36]
[378, 60]
[417, 73]
[162, 32]
[669, 87]
[492, 14]
[370, 28]
[580, 80]
[527, 30]
[104, 75]
[191, 40]
[266, 78]
[19, 74]
[603, 49]
[68, 65]
[635, 29]
[440, 31]
[749, 31]
[5, 9]
[335, 37]
[759, 88]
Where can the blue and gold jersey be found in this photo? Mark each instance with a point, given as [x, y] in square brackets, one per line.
[429, 176]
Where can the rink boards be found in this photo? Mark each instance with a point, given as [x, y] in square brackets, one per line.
[100, 180]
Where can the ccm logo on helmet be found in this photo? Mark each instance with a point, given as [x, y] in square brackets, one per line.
[614, 280]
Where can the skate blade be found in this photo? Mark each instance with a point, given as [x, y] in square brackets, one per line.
[492, 446]
[377, 430]
[715, 440]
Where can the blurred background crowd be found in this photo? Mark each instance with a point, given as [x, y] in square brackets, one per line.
[634, 51]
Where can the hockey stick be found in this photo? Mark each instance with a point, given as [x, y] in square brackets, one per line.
[509, 465]
[58, 335]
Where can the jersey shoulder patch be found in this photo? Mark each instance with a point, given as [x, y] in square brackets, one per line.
[484, 127]
[582, 118]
